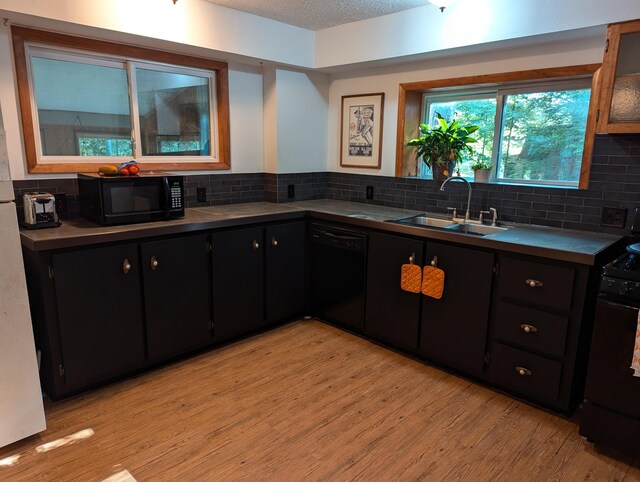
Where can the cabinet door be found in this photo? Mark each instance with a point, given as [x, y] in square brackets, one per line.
[238, 281]
[392, 315]
[177, 295]
[620, 94]
[454, 328]
[100, 311]
[285, 270]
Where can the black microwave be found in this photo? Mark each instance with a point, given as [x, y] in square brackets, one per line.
[131, 199]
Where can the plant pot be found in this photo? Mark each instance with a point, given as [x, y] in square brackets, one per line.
[481, 175]
[442, 171]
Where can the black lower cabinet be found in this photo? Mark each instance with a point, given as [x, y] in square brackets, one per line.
[103, 312]
[238, 281]
[392, 315]
[454, 328]
[177, 295]
[541, 330]
[285, 271]
[99, 312]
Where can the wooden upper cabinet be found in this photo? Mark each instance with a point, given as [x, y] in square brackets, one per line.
[620, 96]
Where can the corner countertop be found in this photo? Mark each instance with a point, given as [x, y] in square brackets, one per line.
[561, 244]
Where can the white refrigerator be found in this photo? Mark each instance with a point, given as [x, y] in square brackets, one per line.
[21, 410]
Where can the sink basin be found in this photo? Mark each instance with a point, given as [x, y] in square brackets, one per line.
[432, 222]
[449, 225]
[480, 229]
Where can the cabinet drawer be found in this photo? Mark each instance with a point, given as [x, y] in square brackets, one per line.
[531, 329]
[526, 373]
[539, 283]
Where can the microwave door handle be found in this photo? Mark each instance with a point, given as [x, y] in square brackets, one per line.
[167, 197]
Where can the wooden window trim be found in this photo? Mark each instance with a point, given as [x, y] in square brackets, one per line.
[21, 35]
[410, 107]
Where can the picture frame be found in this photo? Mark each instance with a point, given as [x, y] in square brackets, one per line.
[361, 130]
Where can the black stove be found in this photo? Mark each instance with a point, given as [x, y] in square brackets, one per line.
[621, 277]
[611, 409]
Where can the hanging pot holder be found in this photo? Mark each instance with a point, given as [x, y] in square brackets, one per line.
[410, 276]
[433, 280]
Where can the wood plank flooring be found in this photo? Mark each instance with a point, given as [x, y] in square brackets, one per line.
[306, 402]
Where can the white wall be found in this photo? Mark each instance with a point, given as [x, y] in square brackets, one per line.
[246, 118]
[302, 121]
[187, 25]
[297, 129]
[466, 23]
[270, 119]
[387, 80]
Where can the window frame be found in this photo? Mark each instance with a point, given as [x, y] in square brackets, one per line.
[410, 98]
[219, 99]
[500, 93]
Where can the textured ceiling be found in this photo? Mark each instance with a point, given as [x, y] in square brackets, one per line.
[319, 14]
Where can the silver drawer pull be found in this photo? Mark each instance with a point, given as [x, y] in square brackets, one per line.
[533, 283]
[255, 245]
[274, 242]
[412, 258]
[523, 372]
[154, 263]
[528, 328]
[126, 266]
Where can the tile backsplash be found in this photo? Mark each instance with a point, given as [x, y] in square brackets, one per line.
[614, 182]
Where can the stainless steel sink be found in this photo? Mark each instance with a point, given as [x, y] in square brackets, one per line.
[455, 226]
[480, 229]
[432, 222]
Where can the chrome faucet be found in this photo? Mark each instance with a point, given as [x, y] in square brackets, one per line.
[466, 214]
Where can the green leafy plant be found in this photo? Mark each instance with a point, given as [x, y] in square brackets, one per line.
[443, 145]
[481, 165]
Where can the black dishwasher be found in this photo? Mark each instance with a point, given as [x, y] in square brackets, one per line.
[338, 275]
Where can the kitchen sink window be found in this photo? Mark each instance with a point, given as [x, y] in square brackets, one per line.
[88, 106]
[533, 134]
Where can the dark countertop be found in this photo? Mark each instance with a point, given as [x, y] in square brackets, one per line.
[566, 245]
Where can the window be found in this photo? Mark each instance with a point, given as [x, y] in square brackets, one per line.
[536, 126]
[86, 102]
[532, 134]
[474, 109]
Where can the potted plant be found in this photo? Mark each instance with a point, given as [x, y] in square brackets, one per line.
[440, 147]
[481, 170]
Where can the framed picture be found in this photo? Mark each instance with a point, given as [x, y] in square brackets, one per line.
[361, 130]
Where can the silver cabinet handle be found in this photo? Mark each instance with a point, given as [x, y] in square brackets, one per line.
[256, 245]
[274, 242]
[154, 263]
[528, 328]
[412, 258]
[126, 266]
[434, 261]
[523, 372]
[533, 283]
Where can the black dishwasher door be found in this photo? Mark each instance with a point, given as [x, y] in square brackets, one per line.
[338, 275]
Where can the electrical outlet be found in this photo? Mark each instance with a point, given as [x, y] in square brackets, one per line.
[61, 202]
[201, 194]
[615, 217]
[369, 192]
[291, 191]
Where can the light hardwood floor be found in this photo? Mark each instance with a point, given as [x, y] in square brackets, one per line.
[307, 402]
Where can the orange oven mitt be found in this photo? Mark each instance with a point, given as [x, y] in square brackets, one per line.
[433, 281]
[410, 277]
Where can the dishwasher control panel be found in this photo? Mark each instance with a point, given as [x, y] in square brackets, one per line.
[338, 238]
